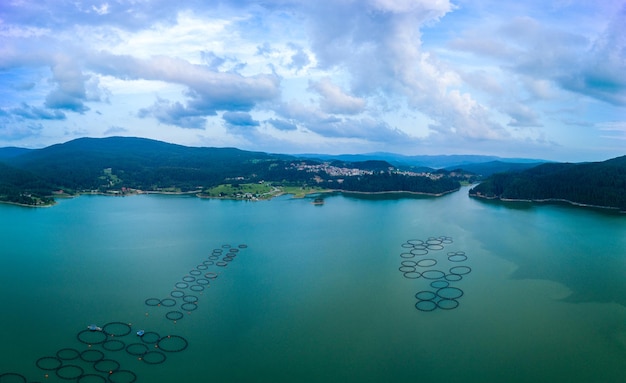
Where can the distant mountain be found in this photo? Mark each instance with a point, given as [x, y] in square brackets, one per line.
[90, 164]
[425, 161]
[157, 153]
[378, 165]
[596, 183]
[486, 169]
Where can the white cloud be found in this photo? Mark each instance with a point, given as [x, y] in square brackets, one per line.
[540, 88]
[16, 132]
[483, 80]
[427, 9]
[283, 125]
[316, 72]
[299, 59]
[615, 130]
[115, 130]
[522, 116]
[175, 113]
[34, 113]
[103, 9]
[17, 31]
[184, 39]
[239, 119]
[208, 91]
[334, 99]
[70, 92]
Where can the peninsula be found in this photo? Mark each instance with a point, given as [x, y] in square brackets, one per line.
[592, 184]
[126, 165]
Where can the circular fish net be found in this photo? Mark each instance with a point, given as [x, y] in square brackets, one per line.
[172, 343]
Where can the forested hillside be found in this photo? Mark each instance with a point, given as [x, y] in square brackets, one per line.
[121, 165]
[597, 183]
[94, 164]
[10, 152]
[486, 169]
[22, 187]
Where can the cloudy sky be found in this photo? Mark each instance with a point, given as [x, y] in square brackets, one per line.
[533, 78]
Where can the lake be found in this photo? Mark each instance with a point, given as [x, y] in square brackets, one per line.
[288, 291]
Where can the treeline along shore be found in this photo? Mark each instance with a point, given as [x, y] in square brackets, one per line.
[593, 184]
[125, 166]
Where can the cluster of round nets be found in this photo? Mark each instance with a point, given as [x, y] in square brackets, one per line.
[423, 259]
[184, 298]
[443, 296]
[418, 255]
[95, 363]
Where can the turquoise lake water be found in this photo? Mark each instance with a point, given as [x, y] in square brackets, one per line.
[316, 294]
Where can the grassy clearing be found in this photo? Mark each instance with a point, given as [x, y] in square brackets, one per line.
[240, 191]
[256, 191]
[301, 191]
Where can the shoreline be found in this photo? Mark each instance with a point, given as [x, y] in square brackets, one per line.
[26, 205]
[399, 192]
[550, 201]
[198, 194]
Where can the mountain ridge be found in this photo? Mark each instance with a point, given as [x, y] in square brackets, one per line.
[12, 151]
[119, 164]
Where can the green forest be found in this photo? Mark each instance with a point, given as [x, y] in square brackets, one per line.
[391, 182]
[595, 183]
[120, 165]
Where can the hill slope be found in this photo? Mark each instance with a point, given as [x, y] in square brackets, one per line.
[121, 164]
[90, 164]
[486, 169]
[10, 152]
[23, 187]
[596, 183]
